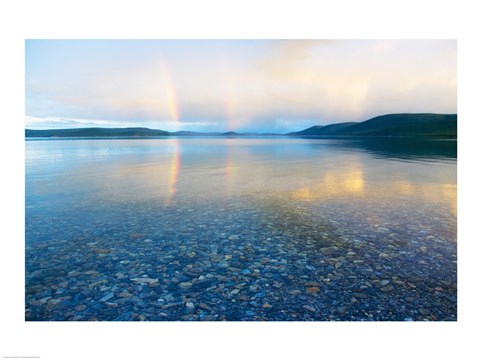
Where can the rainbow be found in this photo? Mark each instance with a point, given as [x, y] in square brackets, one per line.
[171, 94]
[228, 99]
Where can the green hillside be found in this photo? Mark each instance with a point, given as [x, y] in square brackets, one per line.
[413, 125]
[429, 125]
[95, 132]
[323, 130]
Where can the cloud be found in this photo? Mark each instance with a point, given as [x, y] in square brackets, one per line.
[251, 85]
[348, 77]
[34, 122]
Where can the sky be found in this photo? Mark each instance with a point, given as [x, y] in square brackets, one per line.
[234, 85]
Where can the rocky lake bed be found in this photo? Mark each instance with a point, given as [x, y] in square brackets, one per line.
[285, 248]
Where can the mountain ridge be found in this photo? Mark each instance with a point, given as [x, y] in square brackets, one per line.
[402, 124]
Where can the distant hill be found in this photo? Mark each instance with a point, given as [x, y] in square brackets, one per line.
[323, 130]
[96, 132]
[231, 133]
[194, 133]
[415, 125]
[129, 132]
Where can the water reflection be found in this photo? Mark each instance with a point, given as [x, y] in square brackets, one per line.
[334, 184]
[196, 169]
[230, 171]
[351, 185]
[396, 148]
[174, 171]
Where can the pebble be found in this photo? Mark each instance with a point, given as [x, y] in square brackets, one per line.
[125, 294]
[388, 288]
[107, 297]
[360, 295]
[309, 308]
[312, 290]
[204, 306]
[144, 280]
[233, 237]
[189, 305]
[185, 284]
[424, 311]
[136, 236]
[102, 251]
[342, 310]
[125, 316]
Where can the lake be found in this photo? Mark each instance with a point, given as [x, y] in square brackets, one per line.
[240, 229]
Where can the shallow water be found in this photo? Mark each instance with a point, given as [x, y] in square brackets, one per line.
[240, 229]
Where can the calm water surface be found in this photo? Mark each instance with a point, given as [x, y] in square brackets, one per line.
[240, 229]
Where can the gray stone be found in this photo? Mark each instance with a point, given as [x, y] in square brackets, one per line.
[388, 288]
[205, 306]
[309, 308]
[144, 280]
[342, 310]
[424, 311]
[185, 284]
